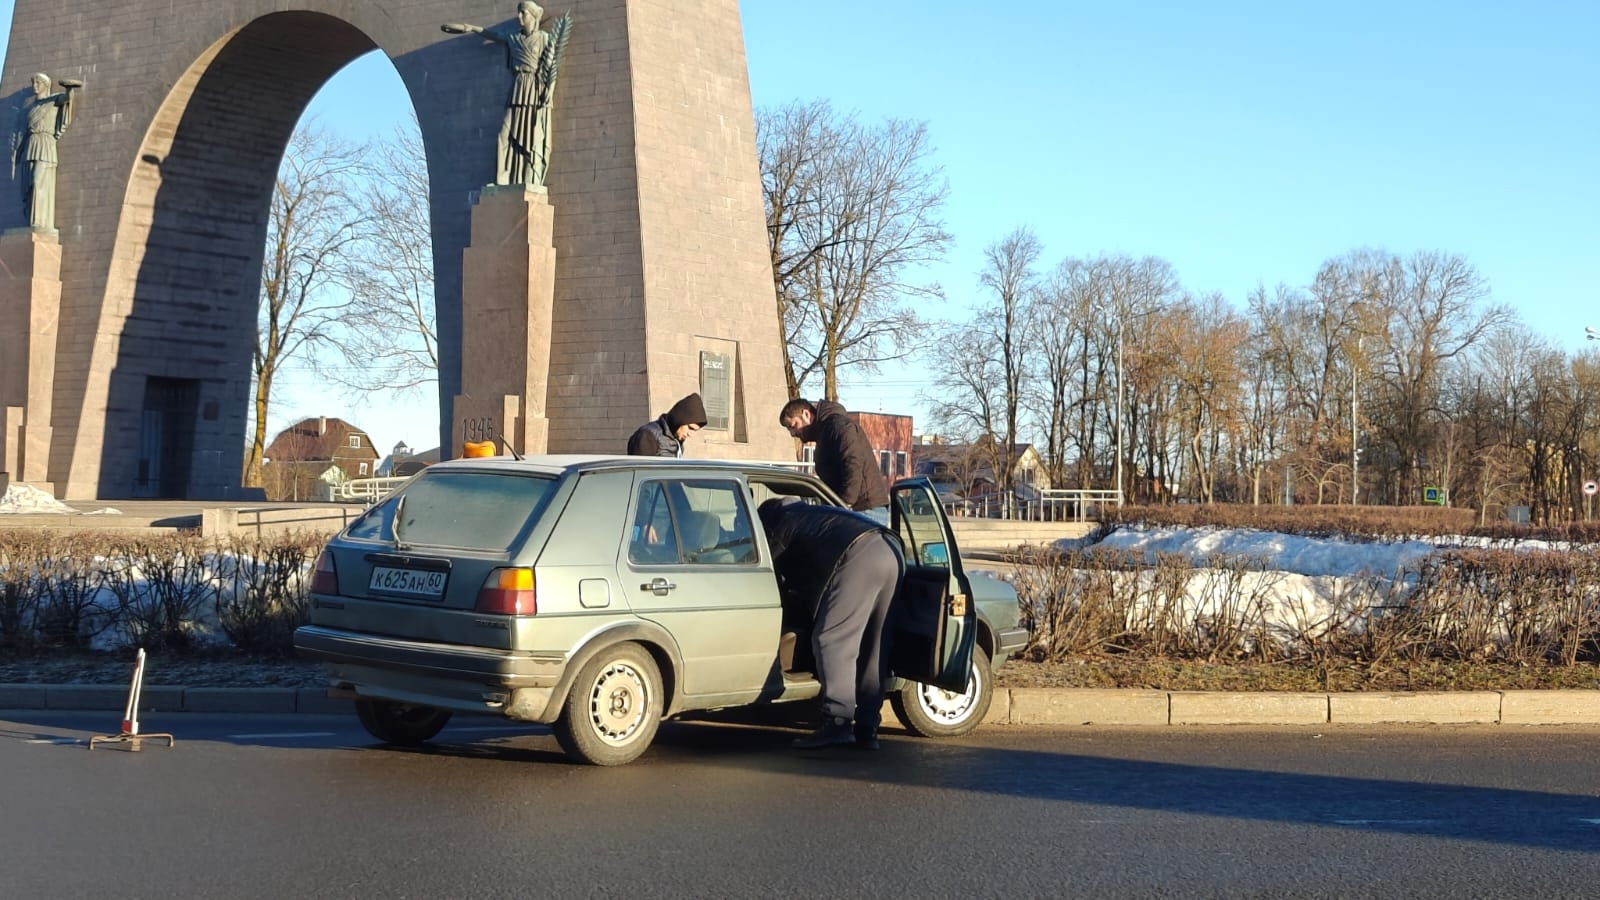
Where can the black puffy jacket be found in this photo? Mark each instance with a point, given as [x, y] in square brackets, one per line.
[807, 542]
[844, 458]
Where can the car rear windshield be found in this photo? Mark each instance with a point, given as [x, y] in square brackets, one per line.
[471, 510]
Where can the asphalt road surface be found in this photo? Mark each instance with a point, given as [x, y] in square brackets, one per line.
[309, 806]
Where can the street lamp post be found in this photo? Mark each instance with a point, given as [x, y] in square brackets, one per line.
[1355, 432]
[1119, 409]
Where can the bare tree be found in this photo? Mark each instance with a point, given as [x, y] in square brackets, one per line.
[1009, 274]
[1432, 309]
[967, 403]
[1148, 342]
[852, 211]
[1207, 377]
[791, 142]
[1069, 385]
[1264, 421]
[314, 223]
[393, 342]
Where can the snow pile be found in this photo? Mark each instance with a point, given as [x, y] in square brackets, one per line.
[1297, 585]
[21, 499]
[1278, 552]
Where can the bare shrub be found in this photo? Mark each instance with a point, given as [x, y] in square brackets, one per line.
[1073, 603]
[1347, 522]
[1229, 616]
[21, 589]
[1157, 617]
[72, 571]
[266, 596]
[161, 585]
[1330, 629]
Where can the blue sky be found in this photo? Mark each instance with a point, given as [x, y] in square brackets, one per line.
[1244, 142]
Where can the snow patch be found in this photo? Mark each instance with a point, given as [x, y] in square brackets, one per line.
[22, 499]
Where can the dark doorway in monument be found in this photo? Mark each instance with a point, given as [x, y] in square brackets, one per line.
[191, 242]
[166, 436]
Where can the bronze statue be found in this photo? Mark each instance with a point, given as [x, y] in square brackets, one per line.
[532, 56]
[41, 122]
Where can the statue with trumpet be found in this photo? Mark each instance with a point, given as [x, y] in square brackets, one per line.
[44, 117]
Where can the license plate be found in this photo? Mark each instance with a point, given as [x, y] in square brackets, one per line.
[425, 583]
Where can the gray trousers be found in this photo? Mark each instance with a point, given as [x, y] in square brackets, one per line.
[850, 634]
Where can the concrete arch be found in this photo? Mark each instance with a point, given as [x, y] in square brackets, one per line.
[188, 251]
[162, 204]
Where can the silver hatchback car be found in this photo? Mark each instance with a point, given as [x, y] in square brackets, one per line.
[600, 595]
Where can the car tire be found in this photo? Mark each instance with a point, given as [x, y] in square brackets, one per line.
[401, 723]
[934, 712]
[614, 708]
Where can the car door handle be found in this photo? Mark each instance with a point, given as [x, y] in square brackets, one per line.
[658, 586]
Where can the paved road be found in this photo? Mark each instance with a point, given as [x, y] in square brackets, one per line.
[307, 806]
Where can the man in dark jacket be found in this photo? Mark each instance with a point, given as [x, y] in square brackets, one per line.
[665, 436]
[845, 569]
[844, 457]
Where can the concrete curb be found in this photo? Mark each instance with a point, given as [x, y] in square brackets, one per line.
[169, 698]
[1056, 707]
[1066, 707]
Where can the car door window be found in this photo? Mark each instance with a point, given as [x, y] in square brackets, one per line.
[921, 532]
[654, 539]
[692, 521]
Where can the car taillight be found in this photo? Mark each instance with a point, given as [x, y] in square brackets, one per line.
[508, 592]
[324, 579]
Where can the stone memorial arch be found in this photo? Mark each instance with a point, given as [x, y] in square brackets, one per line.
[126, 333]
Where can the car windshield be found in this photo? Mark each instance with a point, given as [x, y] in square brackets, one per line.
[471, 510]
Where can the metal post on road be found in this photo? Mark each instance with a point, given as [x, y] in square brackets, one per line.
[129, 736]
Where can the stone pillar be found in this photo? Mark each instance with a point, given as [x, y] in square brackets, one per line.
[30, 311]
[507, 291]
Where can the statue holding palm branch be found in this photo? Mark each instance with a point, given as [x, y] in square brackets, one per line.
[532, 55]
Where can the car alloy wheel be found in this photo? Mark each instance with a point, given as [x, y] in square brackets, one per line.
[614, 708]
[934, 712]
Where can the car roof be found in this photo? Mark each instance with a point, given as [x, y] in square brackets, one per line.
[559, 463]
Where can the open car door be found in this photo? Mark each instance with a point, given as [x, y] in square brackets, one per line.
[937, 622]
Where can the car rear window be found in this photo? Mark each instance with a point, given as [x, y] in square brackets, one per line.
[471, 510]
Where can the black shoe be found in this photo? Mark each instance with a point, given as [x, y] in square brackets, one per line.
[866, 738]
[833, 733]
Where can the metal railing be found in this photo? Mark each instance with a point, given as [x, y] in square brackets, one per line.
[367, 490]
[1062, 504]
[1054, 505]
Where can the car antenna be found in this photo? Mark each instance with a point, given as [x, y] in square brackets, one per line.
[514, 454]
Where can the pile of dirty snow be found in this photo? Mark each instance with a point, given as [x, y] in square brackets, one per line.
[25, 499]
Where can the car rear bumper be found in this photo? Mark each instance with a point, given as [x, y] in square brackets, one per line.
[1007, 642]
[468, 679]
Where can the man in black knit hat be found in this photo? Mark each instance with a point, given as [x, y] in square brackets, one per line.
[665, 436]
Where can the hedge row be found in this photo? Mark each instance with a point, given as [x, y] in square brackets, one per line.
[175, 592]
[1522, 607]
[1359, 523]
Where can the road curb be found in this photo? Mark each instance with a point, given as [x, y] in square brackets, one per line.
[169, 698]
[1056, 707]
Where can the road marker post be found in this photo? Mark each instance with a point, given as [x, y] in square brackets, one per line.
[129, 734]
